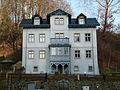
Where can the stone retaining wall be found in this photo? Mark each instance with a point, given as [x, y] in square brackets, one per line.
[58, 82]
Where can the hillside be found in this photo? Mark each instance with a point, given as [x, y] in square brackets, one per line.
[109, 51]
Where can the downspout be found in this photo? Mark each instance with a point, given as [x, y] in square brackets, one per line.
[93, 53]
[26, 53]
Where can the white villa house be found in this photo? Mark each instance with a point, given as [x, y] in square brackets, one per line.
[60, 44]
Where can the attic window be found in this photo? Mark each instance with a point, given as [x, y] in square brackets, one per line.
[81, 21]
[36, 21]
[59, 21]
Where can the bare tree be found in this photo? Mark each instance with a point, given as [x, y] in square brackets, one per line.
[13, 11]
[106, 11]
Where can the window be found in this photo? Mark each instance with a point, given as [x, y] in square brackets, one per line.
[35, 69]
[59, 21]
[77, 53]
[30, 54]
[59, 51]
[56, 21]
[87, 37]
[66, 51]
[53, 51]
[59, 35]
[81, 21]
[42, 38]
[42, 54]
[88, 53]
[90, 68]
[76, 37]
[31, 38]
[76, 68]
[36, 21]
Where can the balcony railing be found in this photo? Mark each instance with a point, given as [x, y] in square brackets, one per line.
[59, 41]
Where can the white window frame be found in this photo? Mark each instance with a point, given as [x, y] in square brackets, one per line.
[88, 54]
[81, 21]
[53, 51]
[31, 38]
[59, 21]
[76, 37]
[87, 37]
[77, 54]
[59, 35]
[56, 21]
[42, 54]
[36, 21]
[30, 54]
[41, 38]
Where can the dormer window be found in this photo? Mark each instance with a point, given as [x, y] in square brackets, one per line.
[59, 21]
[36, 21]
[81, 20]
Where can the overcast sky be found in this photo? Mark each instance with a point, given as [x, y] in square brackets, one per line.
[89, 8]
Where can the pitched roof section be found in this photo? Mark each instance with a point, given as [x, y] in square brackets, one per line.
[73, 23]
[90, 22]
[58, 12]
[27, 23]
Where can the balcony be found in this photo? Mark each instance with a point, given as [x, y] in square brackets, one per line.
[60, 58]
[59, 41]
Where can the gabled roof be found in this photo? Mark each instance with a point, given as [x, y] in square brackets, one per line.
[36, 15]
[81, 15]
[58, 12]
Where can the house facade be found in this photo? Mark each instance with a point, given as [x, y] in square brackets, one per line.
[60, 44]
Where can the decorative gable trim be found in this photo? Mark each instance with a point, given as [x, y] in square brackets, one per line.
[58, 12]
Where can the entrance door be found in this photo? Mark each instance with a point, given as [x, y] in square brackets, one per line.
[60, 69]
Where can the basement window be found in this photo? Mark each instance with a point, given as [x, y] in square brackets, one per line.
[76, 68]
[35, 69]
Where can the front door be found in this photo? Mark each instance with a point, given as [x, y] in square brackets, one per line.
[60, 69]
